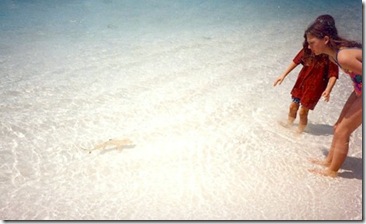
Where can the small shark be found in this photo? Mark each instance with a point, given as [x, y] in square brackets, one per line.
[117, 143]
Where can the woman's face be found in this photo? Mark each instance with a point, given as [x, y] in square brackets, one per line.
[316, 45]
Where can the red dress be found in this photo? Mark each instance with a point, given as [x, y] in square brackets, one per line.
[312, 79]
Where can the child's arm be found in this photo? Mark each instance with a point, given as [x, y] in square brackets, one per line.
[280, 78]
[331, 82]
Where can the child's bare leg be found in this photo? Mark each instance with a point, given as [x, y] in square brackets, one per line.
[292, 113]
[303, 119]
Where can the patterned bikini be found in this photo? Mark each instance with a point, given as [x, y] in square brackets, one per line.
[356, 78]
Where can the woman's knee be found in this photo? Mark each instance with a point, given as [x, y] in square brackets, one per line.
[342, 132]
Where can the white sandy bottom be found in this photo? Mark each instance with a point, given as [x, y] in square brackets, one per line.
[207, 144]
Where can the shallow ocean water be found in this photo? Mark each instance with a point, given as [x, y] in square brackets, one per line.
[190, 83]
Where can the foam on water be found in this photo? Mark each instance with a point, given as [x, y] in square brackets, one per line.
[195, 96]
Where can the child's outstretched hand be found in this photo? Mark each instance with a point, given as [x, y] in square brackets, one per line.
[279, 80]
[326, 95]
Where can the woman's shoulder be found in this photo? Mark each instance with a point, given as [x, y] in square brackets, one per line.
[349, 59]
[345, 54]
[349, 50]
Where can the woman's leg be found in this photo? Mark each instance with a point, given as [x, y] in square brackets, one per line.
[303, 119]
[351, 120]
[351, 99]
[328, 160]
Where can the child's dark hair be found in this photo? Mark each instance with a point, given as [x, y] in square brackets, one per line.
[309, 57]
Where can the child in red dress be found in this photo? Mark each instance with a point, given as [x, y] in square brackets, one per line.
[316, 79]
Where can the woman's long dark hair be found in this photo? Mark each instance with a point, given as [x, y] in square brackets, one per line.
[323, 26]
